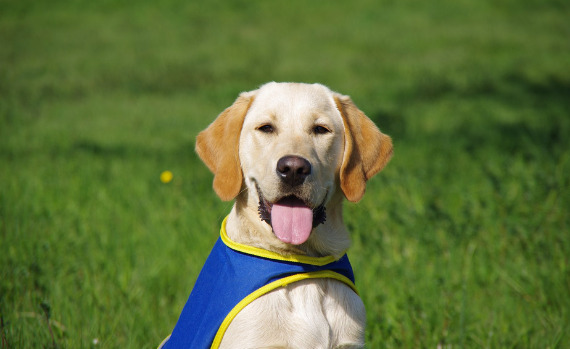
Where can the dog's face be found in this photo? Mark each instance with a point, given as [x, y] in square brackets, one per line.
[289, 148]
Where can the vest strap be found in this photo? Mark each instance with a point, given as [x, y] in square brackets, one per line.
[324, 274]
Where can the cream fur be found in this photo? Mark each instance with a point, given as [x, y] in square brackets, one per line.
[316, 313]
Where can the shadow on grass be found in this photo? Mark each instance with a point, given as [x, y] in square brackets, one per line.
[183, 151]
[514, 88]
[485, 130]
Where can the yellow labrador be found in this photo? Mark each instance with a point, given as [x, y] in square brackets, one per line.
[289, 153]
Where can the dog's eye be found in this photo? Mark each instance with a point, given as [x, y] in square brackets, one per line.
[266, 128]
[320, 130]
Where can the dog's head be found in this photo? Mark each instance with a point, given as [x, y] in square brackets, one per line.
[292, 146]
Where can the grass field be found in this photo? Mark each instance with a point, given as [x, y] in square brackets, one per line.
[462, 241]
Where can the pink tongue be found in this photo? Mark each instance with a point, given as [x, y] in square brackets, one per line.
[291, 220]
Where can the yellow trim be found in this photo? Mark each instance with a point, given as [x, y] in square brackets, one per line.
[164, 342]
[256, 251]
[324, 274]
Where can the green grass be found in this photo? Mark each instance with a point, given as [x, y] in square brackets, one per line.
[463, 240]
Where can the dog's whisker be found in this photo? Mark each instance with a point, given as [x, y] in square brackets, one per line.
[243, 191]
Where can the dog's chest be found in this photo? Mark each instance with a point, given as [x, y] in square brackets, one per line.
[316, 313]
[292, 294]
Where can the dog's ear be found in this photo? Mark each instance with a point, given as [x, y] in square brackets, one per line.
[218, 144]
[366, 149]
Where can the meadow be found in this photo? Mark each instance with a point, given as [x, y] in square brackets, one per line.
[463, 241]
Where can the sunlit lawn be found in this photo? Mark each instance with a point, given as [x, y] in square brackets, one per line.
[463, 240]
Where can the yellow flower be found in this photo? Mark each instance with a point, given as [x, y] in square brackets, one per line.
[166, 177]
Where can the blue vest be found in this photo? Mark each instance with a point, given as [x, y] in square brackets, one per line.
[233, 276]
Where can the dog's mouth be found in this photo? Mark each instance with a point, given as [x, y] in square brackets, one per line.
[291, 219]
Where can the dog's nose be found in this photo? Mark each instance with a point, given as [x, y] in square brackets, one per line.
[293, 169]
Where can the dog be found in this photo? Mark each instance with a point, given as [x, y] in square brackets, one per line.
[289, 154]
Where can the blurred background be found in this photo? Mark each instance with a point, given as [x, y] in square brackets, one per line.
[462, 241]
